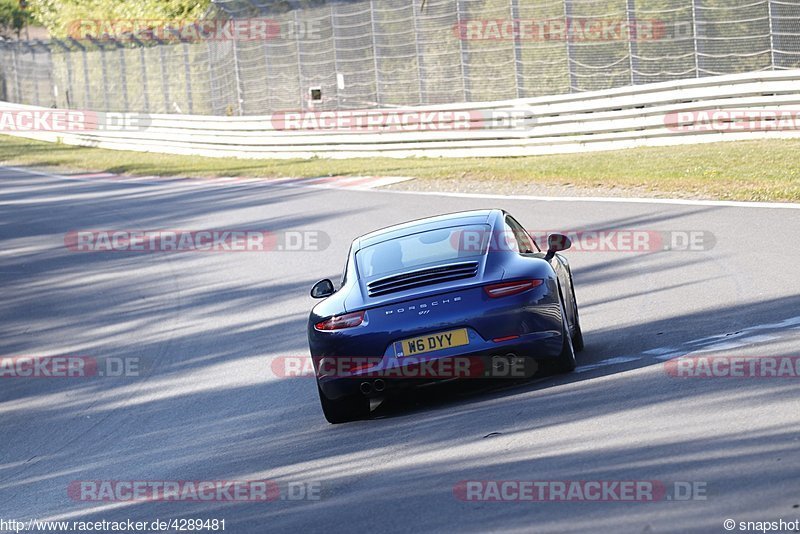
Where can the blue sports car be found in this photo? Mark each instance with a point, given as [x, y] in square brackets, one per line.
[455, 296]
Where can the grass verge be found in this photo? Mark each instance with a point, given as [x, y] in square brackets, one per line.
[766, 170]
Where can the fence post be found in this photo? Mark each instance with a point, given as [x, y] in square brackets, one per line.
[70, 83]
[123, 75]
[50, 70]
[771, 35]
[298, 51]
[517, 48]
[164, 76]
[239, 95]
[67, 53]
[34, 74]
[3, 73]
[694, 40]
[86, 87]
[378, 99]
[15, 62]
[633, 36]
[268, 77]
[573, 79]
[188, 69]
[463, 50]
[335, 55]
[104, 70]
[211, 91]
[143, 66]
[420, 52]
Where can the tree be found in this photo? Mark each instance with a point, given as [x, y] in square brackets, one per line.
[13, 17]
[58, 16]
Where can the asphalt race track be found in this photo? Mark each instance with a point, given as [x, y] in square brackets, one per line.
[205, 403]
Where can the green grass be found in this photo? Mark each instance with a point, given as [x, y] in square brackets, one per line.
[742, 170]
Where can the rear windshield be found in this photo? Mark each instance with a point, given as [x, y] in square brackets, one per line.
[442, 245]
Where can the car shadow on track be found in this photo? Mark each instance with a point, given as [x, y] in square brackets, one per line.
[644, 348]
[189, 419]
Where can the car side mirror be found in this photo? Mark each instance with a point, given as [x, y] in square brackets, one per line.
[323, 288]
[556, 243]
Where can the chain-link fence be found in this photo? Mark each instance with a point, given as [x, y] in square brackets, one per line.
[350, 54]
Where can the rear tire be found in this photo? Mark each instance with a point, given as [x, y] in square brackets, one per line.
[343, 410]
[577, 336]
[565, 362]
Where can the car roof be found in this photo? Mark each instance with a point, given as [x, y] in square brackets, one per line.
[460, 218]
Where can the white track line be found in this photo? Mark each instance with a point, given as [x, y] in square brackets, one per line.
[615, 200]
[743, 337]
[381, 181]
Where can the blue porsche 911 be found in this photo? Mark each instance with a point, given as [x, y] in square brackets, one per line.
[455, 296]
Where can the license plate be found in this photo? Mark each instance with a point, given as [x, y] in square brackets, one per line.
[429, 343]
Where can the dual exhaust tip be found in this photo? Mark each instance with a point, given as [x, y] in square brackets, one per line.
[378, 385]
[499, 362]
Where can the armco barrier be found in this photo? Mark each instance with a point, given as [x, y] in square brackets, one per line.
[645, 115]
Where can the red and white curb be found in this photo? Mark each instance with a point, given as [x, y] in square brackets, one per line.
[327, 182]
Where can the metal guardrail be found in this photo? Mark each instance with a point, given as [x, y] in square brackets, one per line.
[747, 106]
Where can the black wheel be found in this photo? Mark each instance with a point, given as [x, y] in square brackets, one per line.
[343, 410]
[577, 334]
[565, 363]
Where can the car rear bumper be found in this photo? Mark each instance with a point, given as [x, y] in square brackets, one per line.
[527, 325]
[509, 360]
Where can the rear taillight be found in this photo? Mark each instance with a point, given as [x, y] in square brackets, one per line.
[338, 322]
[505, 289]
